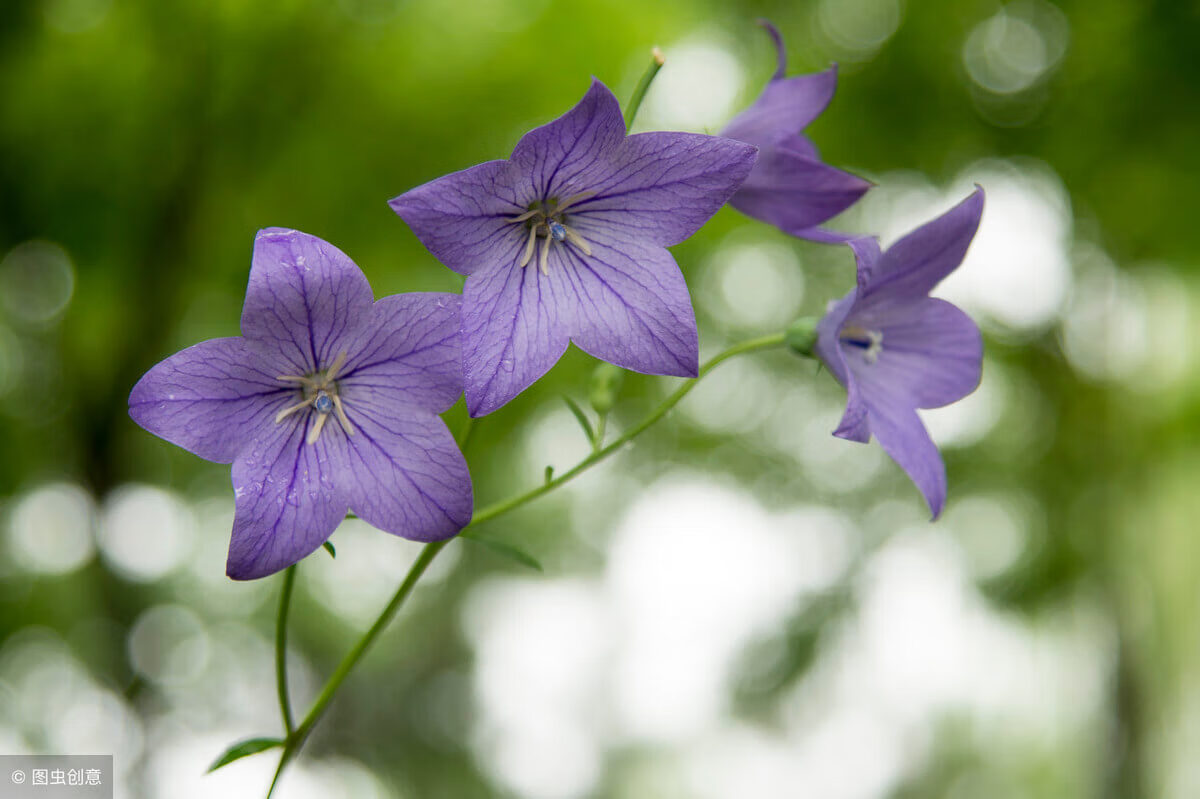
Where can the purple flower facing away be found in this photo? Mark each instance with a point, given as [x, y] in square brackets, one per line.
[896, 349]
[565, 241]
[327, 402]
[789, 186]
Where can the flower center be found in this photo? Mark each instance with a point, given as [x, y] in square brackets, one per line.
[318, 391]
[869, 341]
[547, 220]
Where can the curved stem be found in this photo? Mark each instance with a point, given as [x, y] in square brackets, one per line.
[492, 511]
[297, 738]
[281, 680]
[639, 93]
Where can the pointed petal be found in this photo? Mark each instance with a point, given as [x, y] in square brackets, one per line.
[556, 157]
[409, 354]
[286, 502]
[464, 218]
[905, 439]
[512, 331]
[916, 263]
[932, 352]
[404, 474]
[210, 399]
[780, 50]
[796, 193]
[785, 107]
[631, 307]
[661, 187]
[304, 298]
[854, 420]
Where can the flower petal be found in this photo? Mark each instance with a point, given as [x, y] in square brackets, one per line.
[916, 263]
[829, 349]
[409, 354]
[796, 193]
[906, 440]
[631, 307]
[209, 399]
[661, 187]
[931, 355]
[304, 298]
[785, 107]
[557, 157]
[403, 472]
[463, 218]
[513, 331]
[286, 501]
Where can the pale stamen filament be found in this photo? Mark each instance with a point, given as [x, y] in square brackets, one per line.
[340, 410]
[332, 372]
[316, 428]
[575, 198]
[543, 258]
[286, 412]
[532, 240]
[526, 215]
[577, 240]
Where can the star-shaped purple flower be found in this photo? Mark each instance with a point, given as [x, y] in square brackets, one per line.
[896, 349]
[327, 402]
[789, 186]
[565, 241]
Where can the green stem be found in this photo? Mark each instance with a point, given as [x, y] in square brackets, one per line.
[492, 511]
[281, 680]
[639, 93]
[301, 733]
[297, 738]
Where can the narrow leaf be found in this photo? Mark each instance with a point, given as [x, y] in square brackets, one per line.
[507, 550]
[549, 473]
[245, 749]
[581, 417]
[329, 548]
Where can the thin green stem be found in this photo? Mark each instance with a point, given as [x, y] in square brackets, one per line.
[301, 733]
[281, 680]
[639, 93]
[492, 511]
[297, 738]
[601, 429]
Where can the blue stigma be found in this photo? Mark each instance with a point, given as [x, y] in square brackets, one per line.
[557, 231]
[323, 403]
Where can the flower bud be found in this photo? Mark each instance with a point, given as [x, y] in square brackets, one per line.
[606, 382]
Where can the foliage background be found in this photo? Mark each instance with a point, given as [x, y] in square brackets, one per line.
[736, 606]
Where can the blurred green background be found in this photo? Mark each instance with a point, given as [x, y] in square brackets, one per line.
[739, 605]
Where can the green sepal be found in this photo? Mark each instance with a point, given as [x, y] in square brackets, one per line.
[581, 417]
[329, 548]
[801, 335]
[507, 550]
[244, 749]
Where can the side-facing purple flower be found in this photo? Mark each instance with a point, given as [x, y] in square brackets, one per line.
[327, 402]
[789, 186]
[896, 349]
[566, 241]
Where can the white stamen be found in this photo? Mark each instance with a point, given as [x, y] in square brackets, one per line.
[575, 198]
[578, 240]
[332, 372]
[529, 246]
[524, 216]
[316, 428]
[341, 415]
[286, 412]
[543, 258]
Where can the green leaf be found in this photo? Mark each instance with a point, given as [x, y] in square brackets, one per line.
[244, 749]
[581, 417]
[549, 473]
[507, 550]
[329, 548]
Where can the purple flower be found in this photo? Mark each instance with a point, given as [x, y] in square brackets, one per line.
[896, 349]
[565, 241]
[789, 187]
[328, 402]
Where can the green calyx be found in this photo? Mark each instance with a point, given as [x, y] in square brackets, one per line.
[801, 336]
